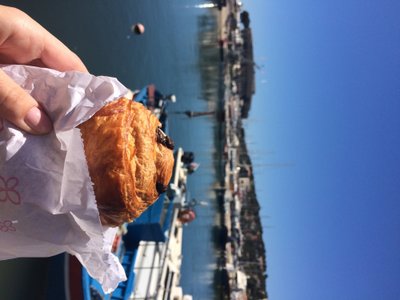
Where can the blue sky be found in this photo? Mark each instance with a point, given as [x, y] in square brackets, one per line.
[323, 132]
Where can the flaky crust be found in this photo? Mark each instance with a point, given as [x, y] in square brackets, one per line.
[127, 165]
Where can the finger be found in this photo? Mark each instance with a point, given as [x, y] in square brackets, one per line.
[21, 109]
[56, 55]
[23, 41]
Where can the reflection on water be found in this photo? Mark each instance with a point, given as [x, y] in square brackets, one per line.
[209, 55]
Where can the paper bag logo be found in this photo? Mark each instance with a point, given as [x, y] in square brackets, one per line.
[8, 190]
[6, 226]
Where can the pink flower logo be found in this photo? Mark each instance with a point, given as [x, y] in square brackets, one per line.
[6, 226]
[7, 190]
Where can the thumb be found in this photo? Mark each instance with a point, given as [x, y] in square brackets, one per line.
[19, 108]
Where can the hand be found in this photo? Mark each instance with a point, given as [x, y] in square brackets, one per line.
[24, 41]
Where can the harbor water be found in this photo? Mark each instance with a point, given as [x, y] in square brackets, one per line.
[167, 54]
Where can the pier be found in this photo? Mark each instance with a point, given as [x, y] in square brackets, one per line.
[242, 264]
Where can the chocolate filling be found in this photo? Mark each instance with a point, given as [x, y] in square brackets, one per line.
[160, 188]
[164, 139]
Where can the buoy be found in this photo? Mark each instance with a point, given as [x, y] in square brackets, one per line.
[138, 28]
[186, 215]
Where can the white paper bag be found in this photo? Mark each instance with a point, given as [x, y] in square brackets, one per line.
[47, 204]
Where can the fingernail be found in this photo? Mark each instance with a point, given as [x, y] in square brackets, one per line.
[38, 121]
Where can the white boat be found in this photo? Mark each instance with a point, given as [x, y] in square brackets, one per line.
[157, 267]
[158, 263]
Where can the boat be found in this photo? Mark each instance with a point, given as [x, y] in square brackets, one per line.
[149, 248]
[184, 166]
[154, 100]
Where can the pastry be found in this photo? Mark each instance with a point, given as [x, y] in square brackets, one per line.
[130, 159]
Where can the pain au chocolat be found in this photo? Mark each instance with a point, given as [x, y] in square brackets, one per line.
[130, 159]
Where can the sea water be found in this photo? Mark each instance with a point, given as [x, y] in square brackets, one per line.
[168, 55]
